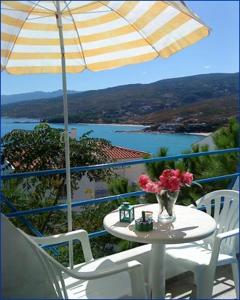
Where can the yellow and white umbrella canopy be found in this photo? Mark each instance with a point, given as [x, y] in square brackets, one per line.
[98, 35]
[71, 36]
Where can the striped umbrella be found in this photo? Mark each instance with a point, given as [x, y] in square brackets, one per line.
[71, 36]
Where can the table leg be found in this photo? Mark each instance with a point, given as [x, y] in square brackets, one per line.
[157, 271]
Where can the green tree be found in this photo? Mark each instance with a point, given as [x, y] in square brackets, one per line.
[216, 165]
[43, 149]
[224, 138]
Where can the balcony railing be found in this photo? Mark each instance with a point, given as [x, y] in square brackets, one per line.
[21, 214]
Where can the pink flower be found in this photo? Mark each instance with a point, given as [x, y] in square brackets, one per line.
[174, 184]
[176, 173]
[148, 185]
[143, 180]
[166, 173]
[187, 178]
[171, 180]
[159, 185]
[152, 187]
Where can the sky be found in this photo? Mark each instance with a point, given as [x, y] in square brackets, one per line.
[218, 53]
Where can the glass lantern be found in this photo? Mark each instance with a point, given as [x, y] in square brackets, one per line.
[126, 213]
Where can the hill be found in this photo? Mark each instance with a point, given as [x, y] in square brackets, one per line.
[136, 103]
[203, 116]
[7, 99]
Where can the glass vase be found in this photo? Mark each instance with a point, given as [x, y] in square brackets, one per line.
[166, 201]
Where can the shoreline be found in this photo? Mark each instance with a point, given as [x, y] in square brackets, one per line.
[200, 133]
[203, 134]
[140, 131]
[112, 124]
[29, 120]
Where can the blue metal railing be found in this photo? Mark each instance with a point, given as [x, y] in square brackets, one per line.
[105, 199]
[120, 164]
[109, 166]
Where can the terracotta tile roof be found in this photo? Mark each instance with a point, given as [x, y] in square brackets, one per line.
[112, 152]
[116, 153]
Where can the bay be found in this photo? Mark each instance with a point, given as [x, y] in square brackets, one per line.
[119, 135]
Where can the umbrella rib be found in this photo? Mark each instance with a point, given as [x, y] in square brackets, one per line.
[52, 11]
[66, 6]
[79, 39]
[54, 3]
[190, 13]
[42, 17]
[81, 13]
[90, 12]
[85, 6]
[27, 17]
[133, 26]
[11, 9]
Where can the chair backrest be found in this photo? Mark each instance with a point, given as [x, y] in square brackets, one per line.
[26, 273]
[223, 206]
[236, 184]
[236, 187]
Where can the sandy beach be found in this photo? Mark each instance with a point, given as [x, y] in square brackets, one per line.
[200, 133]
[163, 132]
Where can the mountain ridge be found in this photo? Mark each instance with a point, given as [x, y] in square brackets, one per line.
[57, 93]
[133, 102]
[29, 96]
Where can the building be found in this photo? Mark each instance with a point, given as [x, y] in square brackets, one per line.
[91, 189]
[206, 140]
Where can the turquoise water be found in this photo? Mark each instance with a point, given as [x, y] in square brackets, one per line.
[148, 142]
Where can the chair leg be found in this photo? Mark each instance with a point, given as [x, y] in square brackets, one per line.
[204, 279]
[236, 277]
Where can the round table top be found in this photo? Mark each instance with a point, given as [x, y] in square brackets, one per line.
[190, 225]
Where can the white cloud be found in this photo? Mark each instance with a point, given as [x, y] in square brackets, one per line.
[207, 67]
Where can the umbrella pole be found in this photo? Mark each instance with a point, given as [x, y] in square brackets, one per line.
[66, 134]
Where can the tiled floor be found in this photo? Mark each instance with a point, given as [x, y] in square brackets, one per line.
[182, 286]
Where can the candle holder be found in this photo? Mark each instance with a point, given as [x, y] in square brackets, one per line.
[126, 213]
[148, 214]
[144, 223]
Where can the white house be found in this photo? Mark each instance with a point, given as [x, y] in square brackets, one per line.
[91, 189]
[207, 140]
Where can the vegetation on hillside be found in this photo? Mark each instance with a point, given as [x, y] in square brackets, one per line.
[142, 103]
[203, 116]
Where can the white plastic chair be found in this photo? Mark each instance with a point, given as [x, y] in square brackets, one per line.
[29, 272]
[219, 249]
[236, 184]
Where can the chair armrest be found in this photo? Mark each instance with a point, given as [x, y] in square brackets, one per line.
[80, 235]
[134, 268]
[108, 271]
[61, 238]
[217, 243]
[227, 234]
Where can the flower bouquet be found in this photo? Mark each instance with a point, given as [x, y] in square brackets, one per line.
[166, 190]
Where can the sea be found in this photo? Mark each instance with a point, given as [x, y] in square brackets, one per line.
[128, 136]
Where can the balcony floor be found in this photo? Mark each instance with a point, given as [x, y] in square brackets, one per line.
[182, 286]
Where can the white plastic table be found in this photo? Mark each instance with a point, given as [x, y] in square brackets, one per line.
[190, 225]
